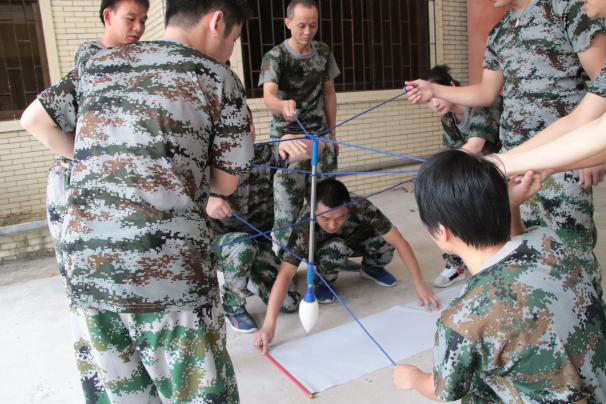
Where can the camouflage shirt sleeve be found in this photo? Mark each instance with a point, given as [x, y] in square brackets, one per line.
[454, 364]
[580, 29]
[598, 86]
[297, 243]
[484, 122]
[60, 102]
[232, 147]
[332, 71]
[270, 68]
[372, 216]
[491, 60]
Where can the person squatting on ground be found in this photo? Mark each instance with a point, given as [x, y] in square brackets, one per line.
[250, 266]
[135, 243]
[540, 54]
[475, 130]
[298, 82]
[358, 230]
[529, 325]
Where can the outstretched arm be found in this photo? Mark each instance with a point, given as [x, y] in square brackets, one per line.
[265, 335]
[483, 94]
[395, 238]
[286, 108]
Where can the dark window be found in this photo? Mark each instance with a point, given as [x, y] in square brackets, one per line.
[23, 65]
[377, 43]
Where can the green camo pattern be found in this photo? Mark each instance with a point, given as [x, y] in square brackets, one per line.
[299, 78]
[178, 357]
[536, 51]
[528, 329]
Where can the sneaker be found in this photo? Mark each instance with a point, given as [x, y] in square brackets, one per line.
[448, 276]
[241, 322]
[324, 295]
[291, 301]
[379, 275]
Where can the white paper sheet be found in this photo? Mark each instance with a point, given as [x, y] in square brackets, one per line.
[332, 357]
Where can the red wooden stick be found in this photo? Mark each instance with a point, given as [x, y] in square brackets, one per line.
[291, 377]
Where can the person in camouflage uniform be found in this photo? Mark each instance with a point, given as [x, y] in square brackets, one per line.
[250, 264]
[343, 229]
[540, 55]
[135, 243]
[298, 81]
[124, 23]
[475, 130]
[528, 325]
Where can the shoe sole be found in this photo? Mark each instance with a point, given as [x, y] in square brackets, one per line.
[365, 275]
[239, 329]
[450, 283]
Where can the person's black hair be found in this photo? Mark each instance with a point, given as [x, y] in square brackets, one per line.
[332, 193]
[187, 13]
[290, 9]
[114, 3]
[440, 74]
[467, 194]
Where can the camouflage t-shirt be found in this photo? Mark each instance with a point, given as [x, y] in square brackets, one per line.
[300, 78]
[536, 51]
[598, 86]
[477, 122]
[528, 328]
[254, 197]
[364, 220]
[152, 118]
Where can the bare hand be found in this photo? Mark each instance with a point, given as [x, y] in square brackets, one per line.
[289, 110]
[263, 338]
[419, 91]
[426, 296]
[333, 136]
[522, 187]
[592, 176]
[253, 130]
[218, 208]
[403, 376]
[295, 150]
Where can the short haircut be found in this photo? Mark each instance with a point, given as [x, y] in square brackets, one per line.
[290, 10]
[467, 194]
[332, 193]
[187, 13]
[440, 74]
[114, 3]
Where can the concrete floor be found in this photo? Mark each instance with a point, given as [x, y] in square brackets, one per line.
[37, 364]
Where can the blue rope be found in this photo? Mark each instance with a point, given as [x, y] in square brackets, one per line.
[371, 149]
[307, 220]
[351, 313]
[281, 140]
[320, 174]
[324, 132]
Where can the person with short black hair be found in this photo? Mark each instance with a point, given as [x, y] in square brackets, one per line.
[161, 124]
[475, 130]
[343, 231]
[529, 325]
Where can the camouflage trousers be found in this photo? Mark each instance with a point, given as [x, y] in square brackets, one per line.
[177, 357]
[332, 255]
[566, 208]
[248, 267]
[291, 188]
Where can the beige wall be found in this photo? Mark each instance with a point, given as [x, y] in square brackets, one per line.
[398, 127]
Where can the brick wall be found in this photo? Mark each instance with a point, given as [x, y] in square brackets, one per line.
[398, 127]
